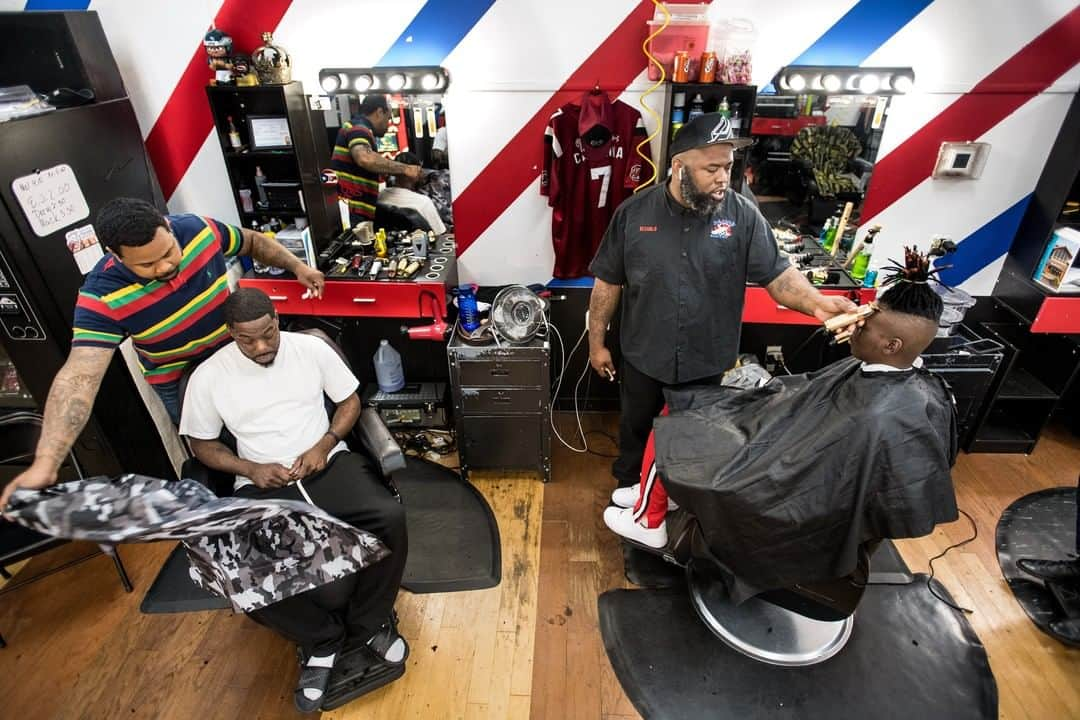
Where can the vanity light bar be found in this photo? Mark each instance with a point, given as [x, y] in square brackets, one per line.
[843, 80]
[415, 80]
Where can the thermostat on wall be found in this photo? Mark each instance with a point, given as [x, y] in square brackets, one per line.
[961, 160]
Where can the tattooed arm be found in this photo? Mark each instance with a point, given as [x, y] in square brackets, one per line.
[793, 290]
[372, 161]
[602, 303]
[271, 252]
[71, 399]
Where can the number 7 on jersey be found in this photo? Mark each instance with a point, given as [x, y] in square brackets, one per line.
[604, 175]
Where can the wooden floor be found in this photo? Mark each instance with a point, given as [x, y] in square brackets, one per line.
[79, 648]
[1037, 677]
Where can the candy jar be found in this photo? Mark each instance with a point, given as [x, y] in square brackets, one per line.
[272, 63]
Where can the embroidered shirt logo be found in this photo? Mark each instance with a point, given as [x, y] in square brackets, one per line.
[722, 228]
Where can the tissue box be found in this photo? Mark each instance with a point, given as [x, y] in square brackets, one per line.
[1059, 268]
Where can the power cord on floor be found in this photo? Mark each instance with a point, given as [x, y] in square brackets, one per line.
[564, 360]
[929, 583]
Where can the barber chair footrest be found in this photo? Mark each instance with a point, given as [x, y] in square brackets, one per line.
[357, 672]
[764, 631]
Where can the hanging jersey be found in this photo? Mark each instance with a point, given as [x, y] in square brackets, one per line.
[586, 177]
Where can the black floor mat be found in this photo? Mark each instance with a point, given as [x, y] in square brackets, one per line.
[909, 656]
[1040, 525]
[173, 590]
[453, 535]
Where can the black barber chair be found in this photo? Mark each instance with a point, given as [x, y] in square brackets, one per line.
[794, 627]
[19, 433]
[356, 672]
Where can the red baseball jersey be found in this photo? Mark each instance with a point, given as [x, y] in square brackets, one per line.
[587, 173]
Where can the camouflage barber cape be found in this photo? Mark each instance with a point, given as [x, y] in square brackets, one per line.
[252, 552]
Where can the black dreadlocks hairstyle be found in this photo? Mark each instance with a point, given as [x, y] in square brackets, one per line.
[909, 290]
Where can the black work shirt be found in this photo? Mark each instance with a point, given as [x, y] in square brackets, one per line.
[684, 279]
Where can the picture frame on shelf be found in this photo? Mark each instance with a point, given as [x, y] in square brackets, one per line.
[269, 132]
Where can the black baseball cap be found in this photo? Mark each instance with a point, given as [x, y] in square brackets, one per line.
[707, 129]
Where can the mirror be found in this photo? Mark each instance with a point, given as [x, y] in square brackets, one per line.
[415, 133]
[814, 153]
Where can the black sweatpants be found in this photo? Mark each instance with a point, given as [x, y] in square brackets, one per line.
[641, 397]
[357, 605]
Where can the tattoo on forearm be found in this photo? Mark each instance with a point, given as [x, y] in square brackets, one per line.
[70, 402]
[602, 304]
[271, 252]
[374, 162]
[790, 288]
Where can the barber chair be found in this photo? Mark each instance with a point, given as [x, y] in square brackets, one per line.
[393, 217]
[19, 433]
[356, 672]
[827, 158]
[793, 627]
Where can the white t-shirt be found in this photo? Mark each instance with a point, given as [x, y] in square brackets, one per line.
[404, 198]
[276, 413]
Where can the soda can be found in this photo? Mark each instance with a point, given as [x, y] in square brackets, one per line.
[708, 67]
[681, 73]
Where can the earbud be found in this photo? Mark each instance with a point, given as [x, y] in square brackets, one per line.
[680, 173]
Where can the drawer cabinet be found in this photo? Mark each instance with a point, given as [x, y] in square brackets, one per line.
[502, 397]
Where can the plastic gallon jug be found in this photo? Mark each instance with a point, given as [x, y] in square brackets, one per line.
[388, 372]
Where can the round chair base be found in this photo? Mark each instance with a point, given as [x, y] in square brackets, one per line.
[764, 631]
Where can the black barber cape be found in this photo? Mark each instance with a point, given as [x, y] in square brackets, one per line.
[788, 480]
[252, 552]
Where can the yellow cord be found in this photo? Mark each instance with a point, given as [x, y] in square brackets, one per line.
[641, 101]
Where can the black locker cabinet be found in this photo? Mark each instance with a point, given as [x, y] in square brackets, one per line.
[502, 397]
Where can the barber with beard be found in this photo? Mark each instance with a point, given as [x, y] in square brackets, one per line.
[680, 255]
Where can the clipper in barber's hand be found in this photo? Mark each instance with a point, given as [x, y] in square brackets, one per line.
[843, 326]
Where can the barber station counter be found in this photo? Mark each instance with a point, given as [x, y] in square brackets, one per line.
[424, 295]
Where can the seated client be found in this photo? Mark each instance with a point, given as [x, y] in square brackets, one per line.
[267, 389]
[786, 480]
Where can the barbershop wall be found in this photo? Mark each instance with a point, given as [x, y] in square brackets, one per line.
[1000, 72]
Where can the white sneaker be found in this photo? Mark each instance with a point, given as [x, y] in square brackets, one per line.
[621, 521]
[626, 497]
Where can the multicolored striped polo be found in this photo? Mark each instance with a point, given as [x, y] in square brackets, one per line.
[171, 323]
[356, 186]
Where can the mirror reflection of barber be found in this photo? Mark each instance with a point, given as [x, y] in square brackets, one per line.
[679, 256]
[358, 165]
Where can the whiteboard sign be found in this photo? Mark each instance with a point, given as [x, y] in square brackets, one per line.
[51, 199]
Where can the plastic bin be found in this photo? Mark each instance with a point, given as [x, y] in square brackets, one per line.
[691, 36]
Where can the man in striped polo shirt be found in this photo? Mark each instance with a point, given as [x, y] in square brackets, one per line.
[358, 165]
[162, 283]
